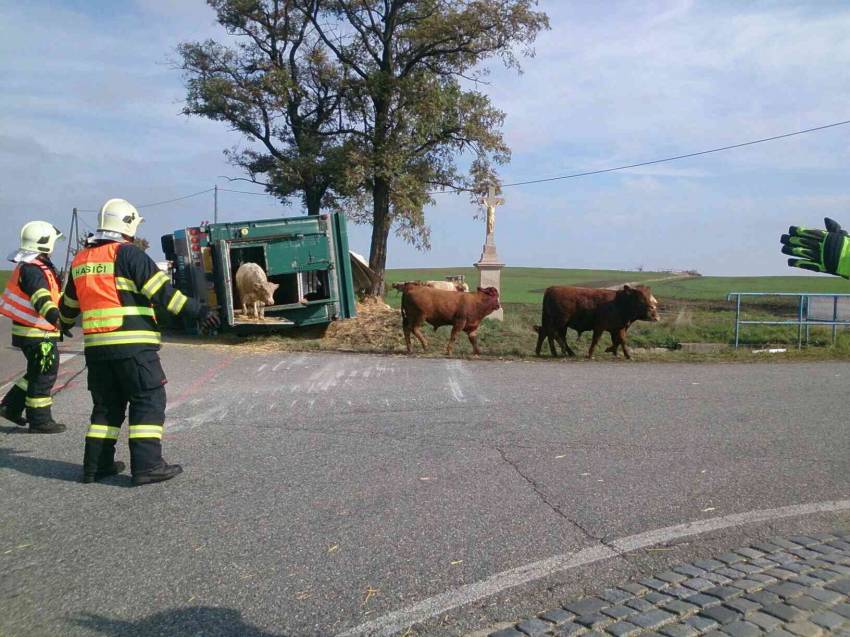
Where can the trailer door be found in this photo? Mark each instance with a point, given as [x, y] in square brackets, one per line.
[224, 279]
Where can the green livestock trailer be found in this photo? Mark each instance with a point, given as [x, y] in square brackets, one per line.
[307, 257]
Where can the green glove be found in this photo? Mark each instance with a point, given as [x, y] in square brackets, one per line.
[48, 355]
[818, 250]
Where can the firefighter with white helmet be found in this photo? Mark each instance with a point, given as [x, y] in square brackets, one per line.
[113, 284]
[31, 300]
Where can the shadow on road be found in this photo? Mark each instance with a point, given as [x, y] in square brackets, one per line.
[39, 467]
[199, 620]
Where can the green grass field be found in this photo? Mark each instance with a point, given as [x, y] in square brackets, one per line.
[4, 276]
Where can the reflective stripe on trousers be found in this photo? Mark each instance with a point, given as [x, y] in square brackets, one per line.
[122, 337]
[103, 431]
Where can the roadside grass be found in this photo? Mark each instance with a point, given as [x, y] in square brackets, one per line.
[4, 278]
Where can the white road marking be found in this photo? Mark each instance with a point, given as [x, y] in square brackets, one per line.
[399, 620]
[214, 413]
[452, 367]
[262, 367]
[454, 386]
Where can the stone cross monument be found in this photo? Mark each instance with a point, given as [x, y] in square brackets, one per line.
[489, 265]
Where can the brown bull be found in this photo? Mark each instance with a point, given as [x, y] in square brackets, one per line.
[462, 310]
[589, 309]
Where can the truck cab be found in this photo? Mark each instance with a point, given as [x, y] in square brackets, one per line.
[307, 257]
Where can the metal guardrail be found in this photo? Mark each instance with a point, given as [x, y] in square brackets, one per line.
[803, 319]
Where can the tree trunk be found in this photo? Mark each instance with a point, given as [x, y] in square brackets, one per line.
[381, 223]
[313, 199]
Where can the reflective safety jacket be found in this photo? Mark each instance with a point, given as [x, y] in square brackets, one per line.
[31, 300]
[113, 285]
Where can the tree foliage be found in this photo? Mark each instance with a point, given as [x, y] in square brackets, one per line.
[277, 86]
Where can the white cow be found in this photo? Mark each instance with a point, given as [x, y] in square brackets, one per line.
[437, 285]
[254, 289]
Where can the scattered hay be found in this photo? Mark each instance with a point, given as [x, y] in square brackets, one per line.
[377, 326]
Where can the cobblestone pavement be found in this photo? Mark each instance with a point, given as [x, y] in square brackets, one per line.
[786, 587]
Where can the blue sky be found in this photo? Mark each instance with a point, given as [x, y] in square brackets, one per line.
[90, 109]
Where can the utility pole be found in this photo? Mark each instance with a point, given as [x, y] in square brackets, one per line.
[215, 204]
[72, 240]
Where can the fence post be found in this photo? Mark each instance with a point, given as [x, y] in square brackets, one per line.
[800, 324]
[737, 320]
[834, 316]
[806, 317]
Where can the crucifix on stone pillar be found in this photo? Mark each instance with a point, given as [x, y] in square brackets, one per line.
[490, 201]
[489, 265]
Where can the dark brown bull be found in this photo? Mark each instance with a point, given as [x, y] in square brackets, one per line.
[589, 309]
[462, 310]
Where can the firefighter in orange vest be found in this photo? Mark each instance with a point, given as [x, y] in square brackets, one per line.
[113, 284]
[31, 300]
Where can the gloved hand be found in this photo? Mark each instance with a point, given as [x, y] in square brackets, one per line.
[64, 330]
[209, 318]
[819, 250]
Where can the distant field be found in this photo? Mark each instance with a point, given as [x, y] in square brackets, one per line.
[4, 276]
[716, 288]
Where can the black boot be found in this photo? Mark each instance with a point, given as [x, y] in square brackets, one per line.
[17, 418]
[160, 474]
[116, 468]
[49, 427]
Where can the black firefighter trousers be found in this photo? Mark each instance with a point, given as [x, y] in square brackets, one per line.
[32, 391]
[140, 382]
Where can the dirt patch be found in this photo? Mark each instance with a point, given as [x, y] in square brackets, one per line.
[377, 326]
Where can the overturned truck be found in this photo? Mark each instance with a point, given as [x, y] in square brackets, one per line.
[307, 257]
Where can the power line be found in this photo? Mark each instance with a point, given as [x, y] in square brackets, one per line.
[246, 192]
[160, 203]
[674, 158]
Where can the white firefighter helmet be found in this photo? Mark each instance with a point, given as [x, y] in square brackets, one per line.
[39, 236]
[119, 215]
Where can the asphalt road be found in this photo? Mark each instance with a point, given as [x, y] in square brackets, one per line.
[323, 492]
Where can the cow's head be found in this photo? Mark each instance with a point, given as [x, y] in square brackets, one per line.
[638, 303]
[269, 289]
[490, 297]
